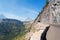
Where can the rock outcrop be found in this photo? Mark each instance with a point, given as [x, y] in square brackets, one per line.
[49, 15]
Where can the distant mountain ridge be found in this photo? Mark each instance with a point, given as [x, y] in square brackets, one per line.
[2, 16]
[9, 28]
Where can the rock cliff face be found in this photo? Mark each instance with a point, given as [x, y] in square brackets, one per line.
[49, 15]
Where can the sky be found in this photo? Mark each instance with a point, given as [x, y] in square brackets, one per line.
[21, 9]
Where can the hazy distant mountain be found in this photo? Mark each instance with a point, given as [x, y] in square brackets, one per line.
[2, 16]
[28, 19]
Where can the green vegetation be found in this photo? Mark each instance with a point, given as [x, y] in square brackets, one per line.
[47, 2]
[12, 30]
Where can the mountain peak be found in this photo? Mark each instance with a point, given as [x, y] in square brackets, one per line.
[28, 19]
[2, 16]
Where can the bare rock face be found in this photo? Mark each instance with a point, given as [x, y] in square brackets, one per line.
[36, 35]
[28, 35]
[40, 27]
[49, 15]
[55, 11]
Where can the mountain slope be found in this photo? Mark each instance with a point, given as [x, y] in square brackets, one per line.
[10, 28]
